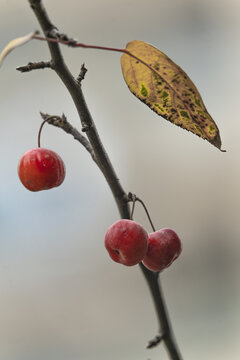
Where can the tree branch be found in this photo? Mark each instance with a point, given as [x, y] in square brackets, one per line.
[75, 90]
[106, 167]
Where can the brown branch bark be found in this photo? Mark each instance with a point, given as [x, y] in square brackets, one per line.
[103, 161]
[34, 66]
[75, 90]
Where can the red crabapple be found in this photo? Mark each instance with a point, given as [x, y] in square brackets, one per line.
[127, 242]
[41, 169]
[164, 246]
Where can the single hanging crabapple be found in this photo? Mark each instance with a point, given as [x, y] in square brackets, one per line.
[126, 242]
[164, 246]
[41, 169]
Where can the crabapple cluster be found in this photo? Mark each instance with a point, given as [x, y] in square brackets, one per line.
[128, 243]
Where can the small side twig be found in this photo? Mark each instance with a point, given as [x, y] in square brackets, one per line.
[35, 66]
[62, 123]
[82, 74]
[154, 342]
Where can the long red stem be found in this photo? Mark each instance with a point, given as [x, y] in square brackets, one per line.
[66, 42]
[73, 44]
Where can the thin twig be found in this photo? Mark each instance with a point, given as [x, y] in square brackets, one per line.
[154, 342]
[35, 66]
[82, 74]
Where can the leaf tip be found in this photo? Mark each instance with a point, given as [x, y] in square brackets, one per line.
[216, 141]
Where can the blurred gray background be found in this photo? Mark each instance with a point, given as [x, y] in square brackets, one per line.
[61, 297]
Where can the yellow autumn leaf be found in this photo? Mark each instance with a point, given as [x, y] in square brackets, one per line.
[15, 43]
[162, 85]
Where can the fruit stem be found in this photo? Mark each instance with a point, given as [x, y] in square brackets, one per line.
[146, 211]
[41, 126]
[134, 198]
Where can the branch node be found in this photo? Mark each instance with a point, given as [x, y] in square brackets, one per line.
[82, 74]
[155, 341]
[86, 127]
[35, 66]
[131, 197]
[55, 33]
[34, 3]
